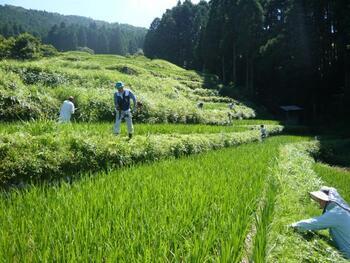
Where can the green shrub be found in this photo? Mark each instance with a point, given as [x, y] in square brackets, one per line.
[48, 50]
[6, 46]
[12, 108]
[26, 46]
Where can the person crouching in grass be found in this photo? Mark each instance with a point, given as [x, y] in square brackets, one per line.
[335, 217]
[123, 110]
[66, 111]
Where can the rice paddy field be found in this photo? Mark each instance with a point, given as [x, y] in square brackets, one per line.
[105, 128]
[194, 209]
[192, 185]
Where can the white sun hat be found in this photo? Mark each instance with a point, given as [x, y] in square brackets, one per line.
[319, 195]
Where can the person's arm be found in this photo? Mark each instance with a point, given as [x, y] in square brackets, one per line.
[73, 108]
[116, 101]
[324, 221]
[133, 97]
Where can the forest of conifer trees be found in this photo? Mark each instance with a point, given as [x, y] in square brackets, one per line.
[277, 51]
[72, 32]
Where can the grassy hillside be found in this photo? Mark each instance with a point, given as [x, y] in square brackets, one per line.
[35, 90]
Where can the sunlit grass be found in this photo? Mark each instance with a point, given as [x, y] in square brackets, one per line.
[335, 177]
[193, 209]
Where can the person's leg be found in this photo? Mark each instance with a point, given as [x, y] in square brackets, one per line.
[128, 120]
[118, 120]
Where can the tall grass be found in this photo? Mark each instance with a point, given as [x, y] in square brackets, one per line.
[35, 90]
[335, 177]
[197, 209]
[49, 152]
[41, 127]
[296, 177]
[37, 128]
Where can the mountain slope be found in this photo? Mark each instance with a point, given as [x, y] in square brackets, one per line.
[73, 31]
[34, 90]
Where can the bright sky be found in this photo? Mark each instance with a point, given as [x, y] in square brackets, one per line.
[133, 12]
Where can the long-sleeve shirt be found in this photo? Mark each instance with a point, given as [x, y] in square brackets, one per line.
[67, 109]
[122, 100]
[337, 220]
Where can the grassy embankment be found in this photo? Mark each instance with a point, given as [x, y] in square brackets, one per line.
[296, 178]
[47, 151]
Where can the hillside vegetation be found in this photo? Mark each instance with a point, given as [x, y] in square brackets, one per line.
[71, 32]
[35, 89]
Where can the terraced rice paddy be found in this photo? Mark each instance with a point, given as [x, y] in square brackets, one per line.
[194, 209]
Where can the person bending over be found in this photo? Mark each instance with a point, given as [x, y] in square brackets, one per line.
[66, 111]
[335, 217]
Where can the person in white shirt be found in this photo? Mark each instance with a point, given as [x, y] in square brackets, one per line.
[67, 109]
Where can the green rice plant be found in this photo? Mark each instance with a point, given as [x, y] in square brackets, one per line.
[194, 209]
[336, 177]
[262, 222]
[105, 128]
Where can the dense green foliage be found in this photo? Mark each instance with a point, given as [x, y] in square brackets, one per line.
[195, 209]
[24, 46]
[71, 32]
[176, 37]
[335, 152]
[35, 90]
[49, 151]
[280, 52]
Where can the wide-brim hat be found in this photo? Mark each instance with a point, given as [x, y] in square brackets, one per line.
[319, 195]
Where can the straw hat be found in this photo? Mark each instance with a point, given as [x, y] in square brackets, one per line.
[319, 195]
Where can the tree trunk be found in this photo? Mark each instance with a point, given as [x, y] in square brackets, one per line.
[234, 63]
[247, 74]
[251, 76]
[223, 70]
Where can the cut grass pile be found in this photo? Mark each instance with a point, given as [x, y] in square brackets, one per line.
[196, 209]
[48, 153]
[35, 90]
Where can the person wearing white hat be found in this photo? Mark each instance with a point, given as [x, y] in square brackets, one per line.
[335, 217]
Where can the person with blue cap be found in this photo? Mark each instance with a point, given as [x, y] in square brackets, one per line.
[335, 217]
[122, 105]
